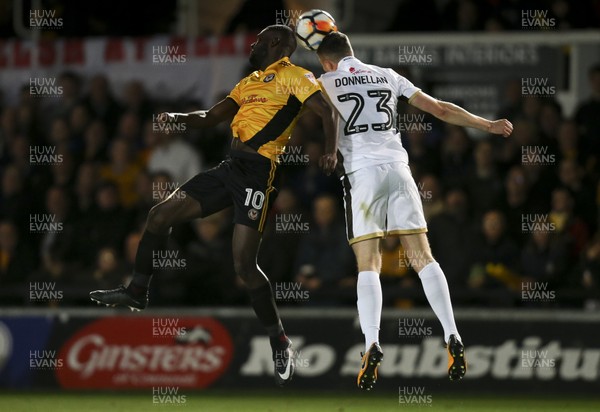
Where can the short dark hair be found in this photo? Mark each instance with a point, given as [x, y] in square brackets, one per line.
[286, 36]
[335, 46]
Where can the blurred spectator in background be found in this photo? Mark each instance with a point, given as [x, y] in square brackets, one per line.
[455, 155]
[483, 181]
[431, 194]
[13, 197]
[85, 187]
[587, 113]
[101, 103]
[396, 274]
[568, 142]
[16, 260]
[54, 269]
[107, 269]
[516, 202]
[449, 233]
[8, 131]
[309, 182]
[423, 158]
[95, 142]
[63, 242]
[566, 224]
[496, 258]
[283, 232]
[544, 259]
[130, 129]
[146, 197]
[212, 142]
[325, 260]
[530, 109]
[210, 278]
[107, 225]
[136, 101]
[79, 120]
[588, 273]
[60, 133]
[513, 99]
[571, 176]
[71, 91]
[174, 155]
[549, 120]
[63, 171]
[122, 171]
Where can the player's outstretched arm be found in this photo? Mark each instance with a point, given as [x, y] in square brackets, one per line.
[458, 116]
[319, 105]
[221, 111]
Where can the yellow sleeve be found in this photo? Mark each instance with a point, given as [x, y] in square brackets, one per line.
[305, 83]
[235, 93]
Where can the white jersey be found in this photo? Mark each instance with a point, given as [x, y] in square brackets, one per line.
[365, 97]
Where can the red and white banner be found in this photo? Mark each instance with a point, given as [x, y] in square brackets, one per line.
[170, 67]
[145, 352]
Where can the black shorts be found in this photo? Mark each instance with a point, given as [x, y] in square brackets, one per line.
[249, 183]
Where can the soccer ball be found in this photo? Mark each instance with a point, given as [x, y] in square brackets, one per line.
[312, 26]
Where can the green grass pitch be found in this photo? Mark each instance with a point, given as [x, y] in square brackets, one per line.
[235, 401]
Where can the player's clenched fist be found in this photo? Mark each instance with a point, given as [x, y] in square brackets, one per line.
[502, 126]
[328, 163]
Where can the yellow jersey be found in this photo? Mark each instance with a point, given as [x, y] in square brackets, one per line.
[270, 102]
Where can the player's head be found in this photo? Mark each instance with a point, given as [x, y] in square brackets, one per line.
[271, 44]
[334, 47]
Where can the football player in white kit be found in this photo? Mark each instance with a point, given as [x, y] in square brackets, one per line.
[380, 195]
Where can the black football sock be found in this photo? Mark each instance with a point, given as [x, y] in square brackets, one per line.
[139, 284]
[263, 304]
[142, 271]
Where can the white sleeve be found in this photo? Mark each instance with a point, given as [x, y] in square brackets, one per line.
[404, 86]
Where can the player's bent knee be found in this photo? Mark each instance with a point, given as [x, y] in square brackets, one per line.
[159, 220]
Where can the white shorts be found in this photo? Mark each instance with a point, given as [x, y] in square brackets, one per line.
[382, 200]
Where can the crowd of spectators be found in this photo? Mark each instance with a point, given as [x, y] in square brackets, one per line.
[80, 172]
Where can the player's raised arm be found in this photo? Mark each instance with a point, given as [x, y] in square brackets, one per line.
[453, 114]
[221, 111]
[317, 103]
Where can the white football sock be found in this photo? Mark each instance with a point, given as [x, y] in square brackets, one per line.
[369, 302]
[437, 292]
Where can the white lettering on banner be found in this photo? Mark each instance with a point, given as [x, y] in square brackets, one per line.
[320, 357]
[92, 354]
[508, 360]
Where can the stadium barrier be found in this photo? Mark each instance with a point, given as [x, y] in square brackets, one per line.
[99, 349]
